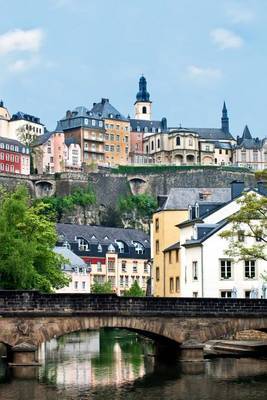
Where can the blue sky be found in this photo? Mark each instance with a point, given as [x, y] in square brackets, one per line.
[58, 54]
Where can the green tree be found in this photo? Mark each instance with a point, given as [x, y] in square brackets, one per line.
[251, 222]
[105, 287]
[27, 240]
[143, 205]
[134, 291]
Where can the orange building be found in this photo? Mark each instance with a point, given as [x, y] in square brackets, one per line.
[117, 141]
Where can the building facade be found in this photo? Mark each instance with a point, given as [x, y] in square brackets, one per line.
[117, 133]
[206, 269]
[250, 152]
[14, 157]
[121, 256]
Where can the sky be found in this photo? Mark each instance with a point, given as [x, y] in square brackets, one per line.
[56, 55]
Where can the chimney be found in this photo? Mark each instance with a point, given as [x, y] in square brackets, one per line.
[103, 101]
[262, 188]
[237, 188]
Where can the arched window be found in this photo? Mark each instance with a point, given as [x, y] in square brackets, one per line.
[121, 246]
[152, 145]
[139, 248]
[146, 129]
[178, 141]
[158, 143]
[144, 110]
[83, 245]
[99, 248]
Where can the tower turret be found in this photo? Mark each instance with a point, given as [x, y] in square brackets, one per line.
[225, 119]
[143, 105]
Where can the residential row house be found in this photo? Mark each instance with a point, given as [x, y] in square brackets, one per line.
[121, 256]
[14, 157]
[53, 152]
[189, 255]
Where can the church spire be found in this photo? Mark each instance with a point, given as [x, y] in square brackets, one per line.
[225, 119]
[143, 94]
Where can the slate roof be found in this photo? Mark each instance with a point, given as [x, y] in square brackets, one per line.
[70, 140]
[42, 139]
[181, 198]
[27, 117]
[97, 234]
[74, 260]
[13, 142]
[213, 134]
[151, 126]
[222, 145]
[210, 231]
[175, 246]
[104, 110]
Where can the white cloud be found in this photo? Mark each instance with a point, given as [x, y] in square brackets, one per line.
[203, 74]
[240, 14]
[226, 39]
[21, 40]
[23, 65]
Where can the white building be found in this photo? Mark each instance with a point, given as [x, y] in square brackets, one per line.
[77, 270]
[206, 270]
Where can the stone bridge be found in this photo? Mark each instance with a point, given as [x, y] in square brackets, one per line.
[29, 318]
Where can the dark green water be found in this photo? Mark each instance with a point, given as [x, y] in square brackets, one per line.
[117, 365]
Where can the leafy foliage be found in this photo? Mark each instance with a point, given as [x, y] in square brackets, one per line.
[130, 169]
[251, 221]
[27, 240]
[105, 287]
[112, 218]
[142, 205]
[134, 291]
[58, 205]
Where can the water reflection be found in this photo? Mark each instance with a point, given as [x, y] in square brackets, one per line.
[117, 365]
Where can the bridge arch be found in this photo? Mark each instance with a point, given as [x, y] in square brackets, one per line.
[138, 184]
[44, 188]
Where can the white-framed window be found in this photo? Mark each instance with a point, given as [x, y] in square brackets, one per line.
[225, 269]
[250, 269]
[195, 270]
[76, 285]
[83, 244]
[139, 248]
[134, 266]
[93, 122]
[123, 265]
[99, 266]
[121, 280]
[83, 285]
[121, 246]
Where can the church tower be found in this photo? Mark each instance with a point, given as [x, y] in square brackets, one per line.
[225, 119]
[143, 106]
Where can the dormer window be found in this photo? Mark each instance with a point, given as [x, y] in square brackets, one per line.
[121, 246]
[190, 215]
[83, 244]
[99, 248]
[197, 210]
[139, 248]
[93, 237]
[66, 244]
[111, 248]
[106, 238]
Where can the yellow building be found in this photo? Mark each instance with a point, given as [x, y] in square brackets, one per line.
[166, 269]
[117, 127]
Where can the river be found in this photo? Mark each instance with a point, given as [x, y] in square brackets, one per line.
[113, 364]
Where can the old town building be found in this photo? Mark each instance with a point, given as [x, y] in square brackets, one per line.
[206, 269]
[166, 243]
[250, 152]
[121, 256]
[89, 133]
[117, 133]
[20, 126]
[14, 157]
[54, 153]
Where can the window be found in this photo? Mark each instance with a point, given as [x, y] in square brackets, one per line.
[247, 294]
[157, 274]
[83, 285]
[170, 257]
[145, 268]
[195, 270]
[11, 168]
[171, 285]
[83, 244]
[190, 142]
[220, 151]
[226, 293]
[106, 147]
[118, 138]
[93, 122]
[250, 269]
[255, 155]
[158, 143]
[120, 246]
[178, 141]
[226, 151]
[99, 248]
[243, 155]
[139, 248]
[123, 265]
[99, 266]
[152, 145]
[144, 110]
[241, 236]
[177, 284]
[76, 285]
[207, 148]
[112, 148]
[135, 266]
[126, 280]
[157, 247]
[157, 224]
[176, 255]
[111, 265]
[195, 294]
[121, 280]
[112, 137]
[2, 156]
[226, 269]
[16, 159]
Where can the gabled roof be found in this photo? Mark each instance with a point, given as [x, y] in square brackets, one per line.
[105, 110]
[141, 125]
[213, 134]
[175, 246]
[181, 198]
[42, 139]
[198, 242]
[74, 260]
[26, 117]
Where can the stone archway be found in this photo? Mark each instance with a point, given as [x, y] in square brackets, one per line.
[44, 188]
[138, 185]
[190, 159]
[178, 159]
